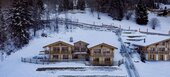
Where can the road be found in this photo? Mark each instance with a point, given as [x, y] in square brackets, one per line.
[128, 61]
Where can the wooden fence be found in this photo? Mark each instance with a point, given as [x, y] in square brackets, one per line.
[35, 61]
[47, 61]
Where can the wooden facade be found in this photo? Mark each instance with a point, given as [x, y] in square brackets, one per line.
[80, 50]
[157, 51]
[59, 51]
[102, 54]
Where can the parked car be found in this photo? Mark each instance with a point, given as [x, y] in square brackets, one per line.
[39, 57]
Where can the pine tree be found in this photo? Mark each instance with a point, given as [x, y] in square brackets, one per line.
[65, 5]
[116, 9]
[81, 4]
[38, 12]
[2, 30]
[141, 14]
[21, 22]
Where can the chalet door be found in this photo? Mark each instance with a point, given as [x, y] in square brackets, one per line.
[55, 57]
[65, 57]
[152, 57]
[96, 61]
[107, 60]
[161, 57]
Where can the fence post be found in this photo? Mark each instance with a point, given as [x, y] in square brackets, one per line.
[30, 61]
[36, 61]
[22, 59]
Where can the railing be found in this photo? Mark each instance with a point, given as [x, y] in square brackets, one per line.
[114, 63]
[60, 52]
[47, 61]
[99, 55]
[35, 61]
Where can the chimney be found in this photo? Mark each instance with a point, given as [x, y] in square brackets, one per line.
[144, 40]
[71, 39]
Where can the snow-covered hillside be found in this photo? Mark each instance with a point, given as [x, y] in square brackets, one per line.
[13, 67]
[91, 18]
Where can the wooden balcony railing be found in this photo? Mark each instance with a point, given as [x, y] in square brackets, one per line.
[60, 52]
[108, 55]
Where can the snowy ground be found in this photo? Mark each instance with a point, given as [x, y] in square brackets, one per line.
[150, 68]
[13, 67]
[153, 69]
[91, 18]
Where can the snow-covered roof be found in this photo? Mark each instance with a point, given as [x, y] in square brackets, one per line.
[93, 38]
[80, 52]
[163, 6]
[143, 39]
[134, 34]
[151, 39]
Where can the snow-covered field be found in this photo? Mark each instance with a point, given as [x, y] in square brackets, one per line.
[91, 18]
[150, 68]
[13, 67]
[153, 69]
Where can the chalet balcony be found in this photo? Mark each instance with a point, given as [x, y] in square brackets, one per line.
[83, 53]
[60, 52]
[106, 63]
[155, 52]
[80, 50]
[44, 52]
[100, 55]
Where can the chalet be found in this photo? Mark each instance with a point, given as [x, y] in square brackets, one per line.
[59, 51]
[155, 51]
[102, 54]
[80, 50]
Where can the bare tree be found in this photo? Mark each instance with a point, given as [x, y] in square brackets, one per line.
[154, 23]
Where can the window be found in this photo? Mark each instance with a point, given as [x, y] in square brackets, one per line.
[55, 56]
[76, 48]
[152, 49]
[56, 49]
[107, 59]
[106, 52]
[64, 48]
[163, 43]
[83, 49]
[97, 51]
[96, 59]
[65, 57]
[161, 49]
[152, 57]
